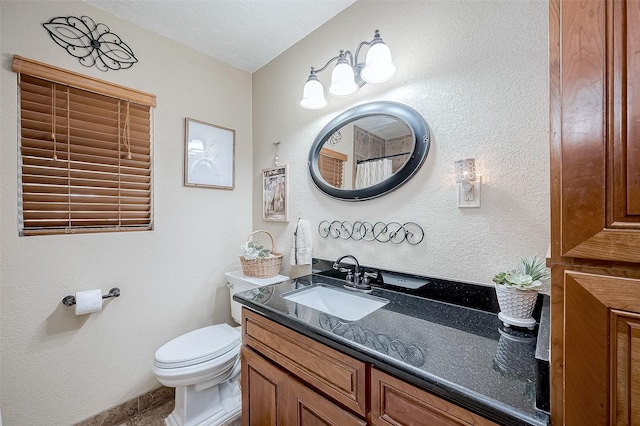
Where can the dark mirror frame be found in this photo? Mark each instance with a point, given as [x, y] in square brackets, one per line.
[420, 149]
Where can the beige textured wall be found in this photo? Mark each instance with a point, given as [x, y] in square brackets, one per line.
[477, 72]
[58, 368]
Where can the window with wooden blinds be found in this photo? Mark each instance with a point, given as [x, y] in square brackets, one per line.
[85, 160]
[331, 166]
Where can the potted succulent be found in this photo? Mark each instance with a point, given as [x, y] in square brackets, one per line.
[517, 291]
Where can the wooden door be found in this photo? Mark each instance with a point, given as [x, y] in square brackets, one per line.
[602, 350]
[595, 210]
[308, 408]
[597, 118]
[264, 391]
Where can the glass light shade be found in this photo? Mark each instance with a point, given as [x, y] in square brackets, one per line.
[378, 66]
[343, 82]
[313, 94]
[465, 170]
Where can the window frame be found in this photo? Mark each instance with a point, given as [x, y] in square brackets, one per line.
[336, 161]
[123, 114]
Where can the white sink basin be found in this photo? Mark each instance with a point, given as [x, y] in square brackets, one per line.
[345, 304]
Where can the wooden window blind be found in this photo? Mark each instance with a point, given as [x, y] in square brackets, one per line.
[85, 154]
[331, 165]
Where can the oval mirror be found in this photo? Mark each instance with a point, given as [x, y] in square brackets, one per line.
[369, 150]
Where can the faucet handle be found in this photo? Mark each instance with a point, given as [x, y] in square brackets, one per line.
[350, 278]
[368, 277]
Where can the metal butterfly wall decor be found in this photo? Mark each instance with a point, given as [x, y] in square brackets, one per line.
[93, 44]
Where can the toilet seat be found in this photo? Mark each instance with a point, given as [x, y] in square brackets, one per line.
[206, 373]
[197, 347]
[202, 357]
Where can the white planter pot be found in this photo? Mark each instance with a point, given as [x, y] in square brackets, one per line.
[516, 306]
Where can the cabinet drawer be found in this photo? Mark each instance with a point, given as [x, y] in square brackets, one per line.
[337, 375]
[395, 402]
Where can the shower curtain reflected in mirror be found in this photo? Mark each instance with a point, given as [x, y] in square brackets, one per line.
[369, 173]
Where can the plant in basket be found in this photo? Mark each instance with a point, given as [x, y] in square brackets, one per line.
[517, 291]
[258, 261]
[252, 250]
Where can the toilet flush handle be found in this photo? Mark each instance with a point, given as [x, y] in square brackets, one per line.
[230, 285]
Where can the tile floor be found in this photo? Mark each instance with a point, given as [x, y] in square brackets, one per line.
[155, 417]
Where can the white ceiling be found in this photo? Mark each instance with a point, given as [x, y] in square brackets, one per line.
[246, 34]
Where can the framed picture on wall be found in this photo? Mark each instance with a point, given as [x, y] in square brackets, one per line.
[275, 194]
[209, 155]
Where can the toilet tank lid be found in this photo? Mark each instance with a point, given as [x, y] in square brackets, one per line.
[237, 277]
[198, 346]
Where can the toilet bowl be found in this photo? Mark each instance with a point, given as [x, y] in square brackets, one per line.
[204, 365]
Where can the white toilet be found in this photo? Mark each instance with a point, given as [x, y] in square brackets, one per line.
[204, 365]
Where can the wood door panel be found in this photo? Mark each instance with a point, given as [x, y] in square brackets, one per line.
[599, 156]
[631, 137]
[601, 349]
[395, 402]
[264, 391]
[337, 375]
[625, 371]
[308, 408]
[582, 127]
[586, 356]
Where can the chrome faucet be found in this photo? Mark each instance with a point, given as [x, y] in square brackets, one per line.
[354, 280]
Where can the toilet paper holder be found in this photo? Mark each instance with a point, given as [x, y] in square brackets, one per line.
[71, 300]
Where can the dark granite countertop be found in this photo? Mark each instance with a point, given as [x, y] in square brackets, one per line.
[460, 353]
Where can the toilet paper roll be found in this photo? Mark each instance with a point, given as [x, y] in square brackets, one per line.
[88, 301]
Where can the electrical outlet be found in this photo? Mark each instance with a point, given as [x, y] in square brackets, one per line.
[470, 197]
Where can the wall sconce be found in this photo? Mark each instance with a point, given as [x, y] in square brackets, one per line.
[349, 75]
[469, 183]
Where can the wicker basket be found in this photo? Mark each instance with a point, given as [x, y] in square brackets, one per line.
[262, 267]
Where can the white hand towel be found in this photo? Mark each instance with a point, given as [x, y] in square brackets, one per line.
[302, 244]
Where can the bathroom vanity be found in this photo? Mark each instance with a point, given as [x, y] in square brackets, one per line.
[415, 360]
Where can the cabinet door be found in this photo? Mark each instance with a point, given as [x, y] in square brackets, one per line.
[264, 391]
[602, 350]
[599, 157]
[333, 373]
[395, 402]
[308, 408]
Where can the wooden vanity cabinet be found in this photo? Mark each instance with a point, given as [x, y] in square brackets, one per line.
[290, 379]
[595, 211]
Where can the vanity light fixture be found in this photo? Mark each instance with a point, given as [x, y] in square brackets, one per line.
[349, 75]
[468, 183]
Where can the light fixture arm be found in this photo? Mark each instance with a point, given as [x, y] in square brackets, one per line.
[353, 59]
[349, 74]
[354, 65]
[343, 54]
[376, 39]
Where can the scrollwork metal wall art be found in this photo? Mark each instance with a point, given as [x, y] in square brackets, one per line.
[93, 44]
[409, 353]
[335, 138]
[382, 232]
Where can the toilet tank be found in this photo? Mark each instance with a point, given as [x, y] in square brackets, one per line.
[238, 282]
